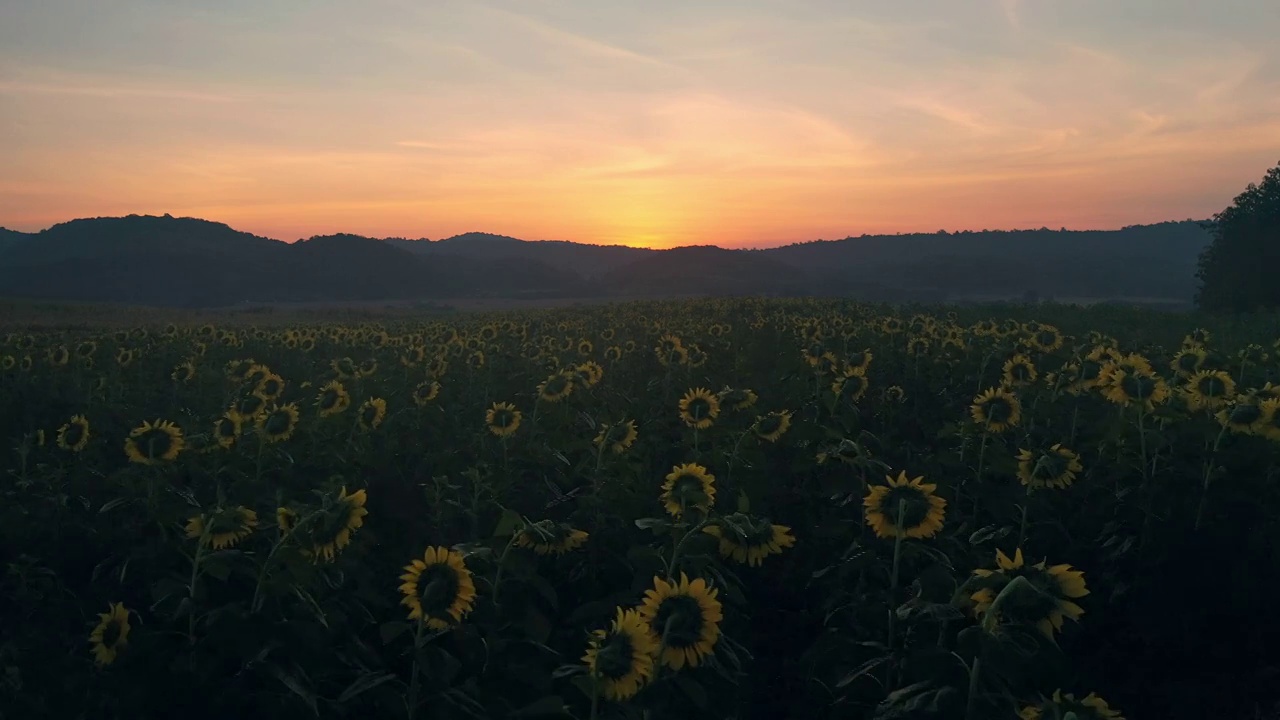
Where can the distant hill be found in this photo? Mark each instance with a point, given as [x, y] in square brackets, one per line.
[197, 263]
[589, 261]
[706, 269]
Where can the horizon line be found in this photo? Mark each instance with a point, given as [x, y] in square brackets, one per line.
[596, 244]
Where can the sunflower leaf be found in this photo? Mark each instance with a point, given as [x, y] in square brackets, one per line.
[364, 683]
[551, 705]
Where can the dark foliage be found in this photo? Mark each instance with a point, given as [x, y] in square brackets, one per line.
[1235, 271]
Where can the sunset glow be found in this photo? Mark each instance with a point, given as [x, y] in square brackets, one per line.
[655, 124]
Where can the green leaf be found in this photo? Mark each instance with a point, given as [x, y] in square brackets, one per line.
[536, 624]
[655, 524]
[363, 683]
[389, 631]
[744, 503]
[112, 505]
[694, 690]
[863, 669]
[549, 706]
[507, 523]
[298, 687]
[987, 534]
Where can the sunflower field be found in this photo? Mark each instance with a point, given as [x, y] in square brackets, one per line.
[712, 509]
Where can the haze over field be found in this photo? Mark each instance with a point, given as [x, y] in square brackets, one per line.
[657, 124]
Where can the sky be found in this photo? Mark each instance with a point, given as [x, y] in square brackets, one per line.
[657, 123]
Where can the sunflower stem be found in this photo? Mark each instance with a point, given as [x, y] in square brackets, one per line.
[899, 534]
[595, 694]
[1022, 527]
[411, 702]
[502, 565]
[679, 546]
[206, 531]
[1208, 476]
[975, 674]
[977, 478]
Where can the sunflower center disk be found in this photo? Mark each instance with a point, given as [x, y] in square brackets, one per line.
[916, 506]
[688, 491]
[613, 660]
[439, 588]
[681, 619]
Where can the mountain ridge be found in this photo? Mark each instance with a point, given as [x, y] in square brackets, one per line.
[164, 260]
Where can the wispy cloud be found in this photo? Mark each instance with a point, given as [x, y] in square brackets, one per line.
[669, 124]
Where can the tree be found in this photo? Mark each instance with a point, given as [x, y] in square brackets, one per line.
[1237, 271]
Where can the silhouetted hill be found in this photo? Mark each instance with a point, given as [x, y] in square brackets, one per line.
[194, 263]
[589, 261]
[707, 270]
[10, 237]
[198, 263]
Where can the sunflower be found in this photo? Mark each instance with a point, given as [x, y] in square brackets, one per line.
[737, 398]
[269, 387]
[224, 526]
[110, 635]
[556, 387]
[852, 386]
[503, 419]
[333, 398]
[917, 346]
[1128, 387]
[996, 410]
[1243, 415]
[619, 436]
[184, 372]
[1090, 707]
[621, 658]
[249, 407]
[1046, 338]
[684, 619]
[286, 519]
[8, 362]
[699, 408]
[1048, 600]
[337, 521]
[152, 443]
[425, 392]
[226, 429]
[278, 423]
[1018, 371]
[922, 511]
[372, 412]
[670, 350]
[1188, 361]
[589, 373]
[550, 538]
[344, 367]
[1052, 468]
[1268, 425]
[772, 426]
[747, 539]
[74, 436]
[613, 353]
[124, 357]
[1209, 390]
[438, 589]
[368, 367]
[59, 356]
[895, 394]
[688, 486]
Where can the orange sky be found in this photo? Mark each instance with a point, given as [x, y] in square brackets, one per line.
[738, 124]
